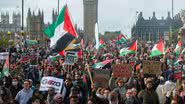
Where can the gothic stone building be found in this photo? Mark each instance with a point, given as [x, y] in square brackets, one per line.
[13, 27]
[90, 18]
[153, 29]
[35, 24]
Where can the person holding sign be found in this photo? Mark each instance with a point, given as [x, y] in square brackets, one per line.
[120, 89]
[148, 95]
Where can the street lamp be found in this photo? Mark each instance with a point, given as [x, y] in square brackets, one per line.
[58, 7]
[22, 15]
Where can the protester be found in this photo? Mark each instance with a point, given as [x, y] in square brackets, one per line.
[24, 95]
[148, 95]
[77, 83]
[50, 96]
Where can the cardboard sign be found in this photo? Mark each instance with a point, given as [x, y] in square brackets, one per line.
[70, 59]
[53, 82]
[101, 77]
[178, 75]
[151, 67]
[122, 70]
[3, 55]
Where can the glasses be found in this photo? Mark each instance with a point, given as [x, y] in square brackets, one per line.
[129, 92]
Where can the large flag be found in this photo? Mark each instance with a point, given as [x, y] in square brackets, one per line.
[54, 58]
[130, 50]
[62, 32]
[158, 49]
[178, 47]
[97, 36]
[5, 71]
[121, 39]
[101, 64]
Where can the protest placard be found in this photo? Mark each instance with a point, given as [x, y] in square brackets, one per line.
[53, 82]
[151, 67]
[70, 59]
[122, 70]
[101, 77]
[3, 55]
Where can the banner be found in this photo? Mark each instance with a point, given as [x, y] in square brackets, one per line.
[31, 42]
[151, 67]
[122, 70]
[3, 55]
[48, 82]
[101, 77]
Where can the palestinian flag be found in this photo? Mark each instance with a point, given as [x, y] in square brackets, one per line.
[80, 53]
[101, 64]
[5, 71]
[112, 41]
[180, 59]
[77, 52]
[121, 39]
[77, 45]
[158, 49]
[178, 47]
[131, 50]
[138, 67]
[62, 32]
[183, 51]
[101, 43]
[54, 58]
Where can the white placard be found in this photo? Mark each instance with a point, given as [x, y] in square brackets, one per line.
[3, 55]
[166, 35]
[48, 82]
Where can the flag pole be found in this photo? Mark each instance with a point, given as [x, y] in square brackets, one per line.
[136, 49]
[88, 69]
[58, 6]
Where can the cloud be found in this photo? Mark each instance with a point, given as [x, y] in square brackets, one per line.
[9, 3]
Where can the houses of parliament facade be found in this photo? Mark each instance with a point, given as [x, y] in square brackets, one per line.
[34, 24]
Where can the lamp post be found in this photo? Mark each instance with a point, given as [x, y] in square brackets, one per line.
[172, 8]
[22, 15]
[58, 7]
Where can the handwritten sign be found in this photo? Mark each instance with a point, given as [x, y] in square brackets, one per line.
[122, 70]
[151, 67]
[101, 77]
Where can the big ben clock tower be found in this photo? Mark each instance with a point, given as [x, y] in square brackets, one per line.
[90, 18]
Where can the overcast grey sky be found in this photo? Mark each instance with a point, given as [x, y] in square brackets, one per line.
[113, 14]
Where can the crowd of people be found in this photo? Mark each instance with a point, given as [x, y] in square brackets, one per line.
[28, 65]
